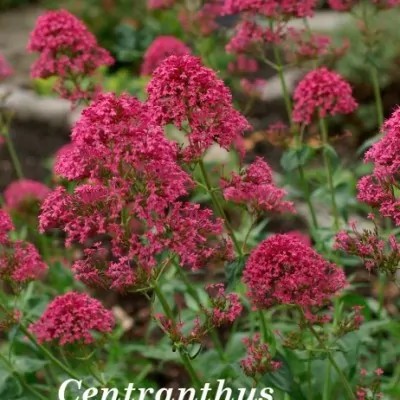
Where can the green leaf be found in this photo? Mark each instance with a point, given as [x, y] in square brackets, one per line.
[294, 158]
[27, 365]
[10, 388]
[282, 379]
[233, 272]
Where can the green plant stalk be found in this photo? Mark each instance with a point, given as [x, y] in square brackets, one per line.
[332, 361]
[13, 154]
[309, 379]
[263, 325]
[377, 93]
[51, 358]
[184, 357]
[21, 379]
[382, 282]
[288, 105]
[328, 171]
[192, 291]
[219, 207]
[326, 395]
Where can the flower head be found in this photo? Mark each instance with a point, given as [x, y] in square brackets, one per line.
[5, 68]
[285, 270]
[322, 92]
[25, 194]
[71, 318]
[281, 9]
[67, 50]
[161, 48]
[255, 187]
[184, 92]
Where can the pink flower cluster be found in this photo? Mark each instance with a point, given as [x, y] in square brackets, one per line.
[71, 319]
[161, 48]
[243, 64]
[19, 260]
[160, 4]
[5, 68]
[224, 309]
[300, 45]
[251, 37]
[258, 361]
[379, 189]
[280, 9]
[127, 172]
[347, 5]
[203, 20]
[285, 270]
[25, 195]
[321, 93]
[376, 253]
[255, 187]
[68, 51]
[190, 96]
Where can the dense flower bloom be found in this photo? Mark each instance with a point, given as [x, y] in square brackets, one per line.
[202, 21]
[71, 318]
[159, 50]
[5, 68]
[243, 64]
[303, 237]
[322, 92]
[25, 193]
[67, 50]
[6, 226]
[258, 361]
[225, 308]
[385, 154]
[376, 253]
[255, 187]
[272, 8]
[182, 92]
[19, 261]
[160, 4]
[250, 36]
[284, 270]
[115, 137]
[300, 45]
[347, 5]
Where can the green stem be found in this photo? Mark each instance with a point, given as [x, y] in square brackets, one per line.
[328, 170]
[22, 379]
[382, 282]
[192, 291]
[50, 356]
[13, 154]
[327, 382]
[263, 326]
[288, 105]
[184, 357]
[219, 207]
[332, 361]
[309, 378]
[377, 93]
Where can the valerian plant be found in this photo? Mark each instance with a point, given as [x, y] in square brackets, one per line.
[121, 217]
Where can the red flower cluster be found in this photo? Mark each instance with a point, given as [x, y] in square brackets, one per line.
[159, 50]
[128, 172]
[258, 361]
[320, 93]
[72, 318]
[19, 261]
[5, 68]
[160, 4]
[224, 309]
[379, 189]
[190, 96]
[300, 45]
[347, 5]
[284, 270]
[68, 51]
[282, 9]
[375, 252]
[25, 194]
[202, 21]
[255, 187]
